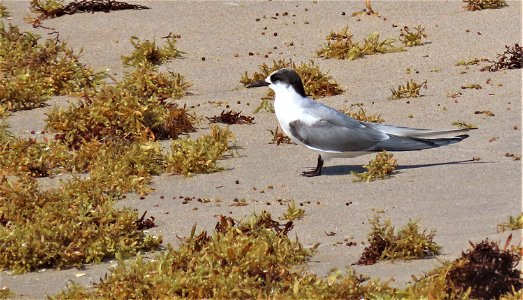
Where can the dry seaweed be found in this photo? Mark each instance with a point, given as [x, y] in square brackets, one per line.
[31, 157]
[341, 46]
[177, 122]
[142, 223]
[3, 12]
[48, 9]
[231, 117]
[65, 226]
[279, 137]
[116, 114]
[189, 156]
[361, 114]
[6, 293]
[470, 61]
[366, 11]
[486, 270]
[473, 5]
[91, 6]
[253, 258]
[513, 223]
[410, 90]
[31, 70]
[474, 86]
[512, 58]
[381, 167]
[5, 135]
[293, 213]
[146, 81]
[148, 52]
[464, 125]
[487, 113]
[412, 38]
[408, 243]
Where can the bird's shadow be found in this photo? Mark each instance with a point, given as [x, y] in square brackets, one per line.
[347, 169]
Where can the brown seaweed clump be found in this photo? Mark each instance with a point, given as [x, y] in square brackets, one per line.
[407, 243]
[486, 270]
[48, 9]
[249, 259]
[231, 117]
[473, 5]
[512, 58]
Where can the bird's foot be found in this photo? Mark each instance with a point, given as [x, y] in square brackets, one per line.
[311, 173]
[316, 171]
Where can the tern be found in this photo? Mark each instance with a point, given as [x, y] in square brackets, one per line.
[333, 133]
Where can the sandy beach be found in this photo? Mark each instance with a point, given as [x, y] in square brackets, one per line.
[463, 200]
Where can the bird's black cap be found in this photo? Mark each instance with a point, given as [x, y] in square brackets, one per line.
[289, 77]
[286, 76]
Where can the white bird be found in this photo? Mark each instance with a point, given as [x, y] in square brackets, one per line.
[334, 134]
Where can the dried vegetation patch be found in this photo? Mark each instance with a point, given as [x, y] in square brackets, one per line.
[512, 58]
[410, 90]
[484, 271]
[106, 142]
[410, 242]
[6, 293]
[279, 137]
[32, 70]
[195, 156]
[115, 114]
[512, 223]
[412, 37]
[66, 226]
[473, 5]
[47, 9]
[253, 258]
[341, 46]
[357, 112]
[464, 125]
[231, 117]
[381, 167]
[148, 52]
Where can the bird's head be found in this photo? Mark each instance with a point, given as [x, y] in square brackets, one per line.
[282, 81]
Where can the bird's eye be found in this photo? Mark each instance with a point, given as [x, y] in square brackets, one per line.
[274, 78]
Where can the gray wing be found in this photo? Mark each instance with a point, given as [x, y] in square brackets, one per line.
[328, 136]
[321, 111]
[334, 131]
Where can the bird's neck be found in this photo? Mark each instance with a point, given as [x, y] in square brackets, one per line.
[288, 97]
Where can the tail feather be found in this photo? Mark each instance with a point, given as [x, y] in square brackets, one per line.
[412, 132]
[399, 143]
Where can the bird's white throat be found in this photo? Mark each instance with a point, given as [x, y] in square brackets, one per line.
[288, 105]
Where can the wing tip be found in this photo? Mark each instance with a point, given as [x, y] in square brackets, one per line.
[462, 136]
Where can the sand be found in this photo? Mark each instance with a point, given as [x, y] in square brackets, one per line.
[463, 200]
